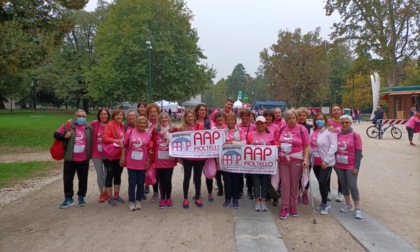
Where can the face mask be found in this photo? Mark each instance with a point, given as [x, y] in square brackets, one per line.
[320, 123]
[80, 120]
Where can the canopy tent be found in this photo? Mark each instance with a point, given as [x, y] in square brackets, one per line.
[237, 104]
[166, 105]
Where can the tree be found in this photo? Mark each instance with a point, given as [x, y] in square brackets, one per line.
[29, 30]
[258, 88]
[122, 71]
[236, 81]
[389, 28]
[65, 72]
[357, 91]
[340, 63]
[215, 96]
[298, 68]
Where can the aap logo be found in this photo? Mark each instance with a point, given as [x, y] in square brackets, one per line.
[181, 143]
[231, 157]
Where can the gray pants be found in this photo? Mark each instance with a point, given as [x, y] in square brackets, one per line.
[348, 182]
[100, 172]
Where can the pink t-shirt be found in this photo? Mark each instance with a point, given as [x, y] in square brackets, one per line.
[260, 138]
[346, 153]
[292, 142]
[136, 154]
[336, 125]
[162, 159]
[412, 122]
[279, 123]
[314, 147]
[252, 127]
[79, 149]
[98, 132]
[274, 129]
[230, 136]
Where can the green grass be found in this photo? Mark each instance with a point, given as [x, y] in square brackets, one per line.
[11, 173]
[33, 129]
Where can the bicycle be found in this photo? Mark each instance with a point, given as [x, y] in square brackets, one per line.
[373, 131]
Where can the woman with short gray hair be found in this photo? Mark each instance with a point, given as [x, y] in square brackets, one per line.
[348, 158]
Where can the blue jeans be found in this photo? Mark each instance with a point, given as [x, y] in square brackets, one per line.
[135, 178]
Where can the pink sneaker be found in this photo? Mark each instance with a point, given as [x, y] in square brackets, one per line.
[305, 199]
[169, 203]
[284, 213]
[293, 212]
[162, 204]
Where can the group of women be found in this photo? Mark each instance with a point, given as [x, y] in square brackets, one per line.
[144, 140]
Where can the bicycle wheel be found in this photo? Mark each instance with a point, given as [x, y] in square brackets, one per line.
[396, 133]
[372, 132]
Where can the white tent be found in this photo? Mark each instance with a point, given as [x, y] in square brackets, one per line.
[237, 104]
[166, 105]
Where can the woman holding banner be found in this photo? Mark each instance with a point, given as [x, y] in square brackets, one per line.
[160, 158]
[219, 123]
[293, 155]
[202, 116]
[261, 136]
[189, 123]
[152, 111]
[234, 135]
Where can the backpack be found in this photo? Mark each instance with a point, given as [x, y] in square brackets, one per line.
[57, 149]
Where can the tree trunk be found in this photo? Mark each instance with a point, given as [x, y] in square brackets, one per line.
[85, 103]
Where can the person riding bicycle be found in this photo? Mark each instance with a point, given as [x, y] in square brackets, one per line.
[379, 116]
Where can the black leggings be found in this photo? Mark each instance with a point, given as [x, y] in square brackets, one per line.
[198, 170]
[165, 182]
[113, 172]
[209, 182]
[322, 175]
[232, 184]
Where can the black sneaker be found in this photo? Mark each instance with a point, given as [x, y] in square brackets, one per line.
[241, 195]
[144, 197]
[275, 202]
[220, 192]
[146, 190]
[250, 195]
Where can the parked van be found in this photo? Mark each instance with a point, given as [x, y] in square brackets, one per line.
[260, 106]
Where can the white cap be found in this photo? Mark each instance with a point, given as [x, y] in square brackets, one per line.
[261, 119]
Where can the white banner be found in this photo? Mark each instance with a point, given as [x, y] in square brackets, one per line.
[254, 159]
[196, 144]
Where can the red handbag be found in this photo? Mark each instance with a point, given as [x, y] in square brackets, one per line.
[112, 151]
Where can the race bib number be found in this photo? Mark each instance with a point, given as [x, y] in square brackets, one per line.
[342, 159]
[163, 154]
[78, 148]
[137, 155]
[286, 147]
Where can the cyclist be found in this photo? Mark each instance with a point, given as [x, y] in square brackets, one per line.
[379, 115]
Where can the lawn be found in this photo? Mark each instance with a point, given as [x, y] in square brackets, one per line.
[32, 129]
[13, 172]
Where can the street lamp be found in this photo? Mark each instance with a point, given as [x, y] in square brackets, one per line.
[149, 49]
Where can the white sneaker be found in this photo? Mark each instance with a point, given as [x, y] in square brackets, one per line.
[340, 197]
[346, 208]
[263, 207]
[358, 214]
[324, 209]
[155, 196]
[257, 206]
[131, 206]
[138, 205]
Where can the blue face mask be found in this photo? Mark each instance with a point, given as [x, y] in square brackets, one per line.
[80, 120]
[320, 123]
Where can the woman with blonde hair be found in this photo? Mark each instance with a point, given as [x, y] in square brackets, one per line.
[135, 156]
[293, 155]
[189, 123]
[160, 158]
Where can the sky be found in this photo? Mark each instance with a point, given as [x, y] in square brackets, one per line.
[236, 31]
